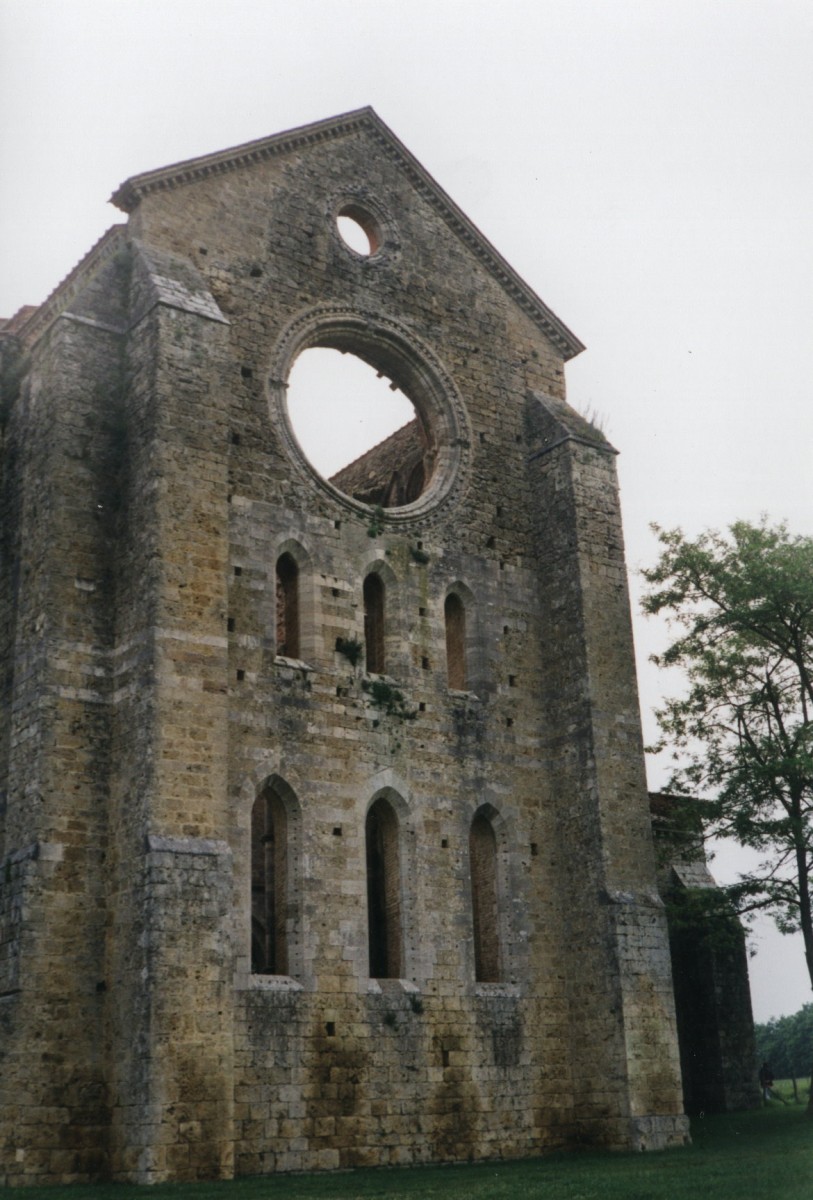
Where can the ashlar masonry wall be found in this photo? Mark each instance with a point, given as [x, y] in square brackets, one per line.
[152, 484]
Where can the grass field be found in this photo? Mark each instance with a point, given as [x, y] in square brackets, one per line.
[744, 1156]
[784, 1087]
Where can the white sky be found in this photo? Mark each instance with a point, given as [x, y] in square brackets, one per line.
[646, 166]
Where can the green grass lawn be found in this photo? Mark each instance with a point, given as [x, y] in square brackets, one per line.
[784, 1087]
[744, 1156]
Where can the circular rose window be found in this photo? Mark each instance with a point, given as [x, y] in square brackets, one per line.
[369, 412]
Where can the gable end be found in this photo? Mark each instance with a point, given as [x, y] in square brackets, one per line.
[130, 193]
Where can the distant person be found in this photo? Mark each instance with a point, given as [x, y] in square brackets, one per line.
[766, 1083]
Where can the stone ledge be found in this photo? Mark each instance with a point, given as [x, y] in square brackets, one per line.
[380, 987]
[47, 851]
[271, 983]
[495, 991]
[631, 899]
[295, 664]
[186, 845]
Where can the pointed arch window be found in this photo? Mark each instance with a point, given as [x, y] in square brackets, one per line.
[484, 899]
[383, 891]
[455, 617]
[287, 584]
[374, 624]
[270, 870]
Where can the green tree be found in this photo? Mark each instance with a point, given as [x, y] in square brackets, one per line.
[741, 605]
[785, 1043]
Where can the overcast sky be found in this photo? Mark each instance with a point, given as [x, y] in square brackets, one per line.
[646, 166]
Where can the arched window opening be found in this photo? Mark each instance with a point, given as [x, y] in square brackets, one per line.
[374, 624]
[485, 912]
[455, 615]
[287, 607]
[383, 891]
[269, 885]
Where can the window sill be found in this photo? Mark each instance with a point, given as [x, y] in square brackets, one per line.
[494, 990]
[293, 664]
[273, 983]
[378, 987]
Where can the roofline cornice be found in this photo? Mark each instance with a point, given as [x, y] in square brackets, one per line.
[477, 242]
[131, 192]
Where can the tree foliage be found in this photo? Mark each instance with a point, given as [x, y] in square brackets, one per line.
[741, 605]
[785, 1043]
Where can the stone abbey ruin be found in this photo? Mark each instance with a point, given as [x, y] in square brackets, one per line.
[325, 832]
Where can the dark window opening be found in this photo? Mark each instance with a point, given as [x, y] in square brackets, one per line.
[269, 885]
[455, 615]
[287, 607]
[374, 624]
[485, 913]
[383, 892]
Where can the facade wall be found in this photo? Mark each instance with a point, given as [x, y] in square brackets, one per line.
[143, 850]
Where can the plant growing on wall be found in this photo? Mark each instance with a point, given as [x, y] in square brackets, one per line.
[388, 698]
[351, 649]
[376, 522]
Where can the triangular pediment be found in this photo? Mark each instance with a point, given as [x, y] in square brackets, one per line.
[133, 190]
